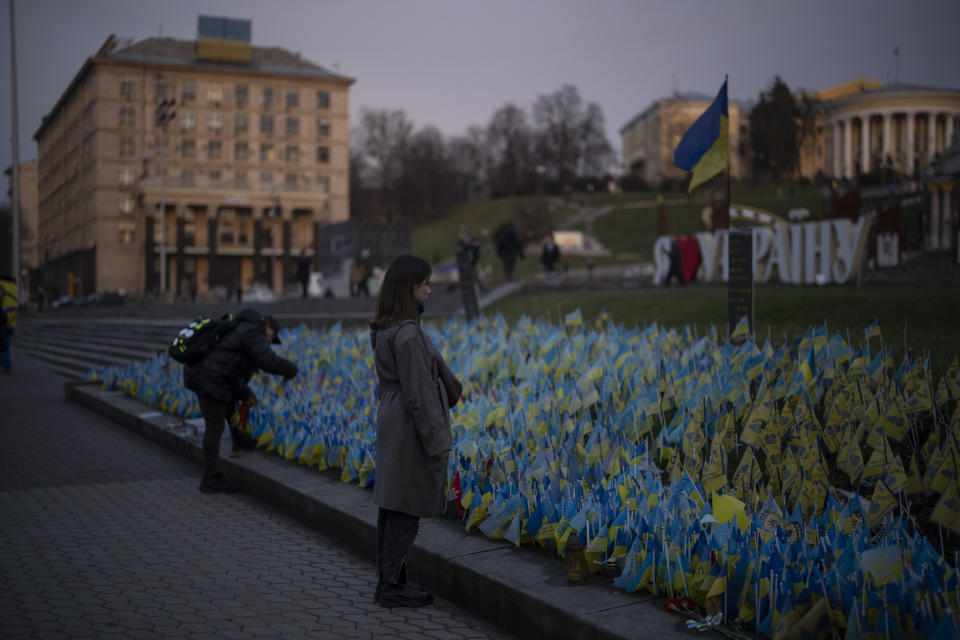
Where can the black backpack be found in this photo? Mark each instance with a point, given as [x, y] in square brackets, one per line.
[198, 338]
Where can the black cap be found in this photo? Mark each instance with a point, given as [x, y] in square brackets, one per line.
[271, 322]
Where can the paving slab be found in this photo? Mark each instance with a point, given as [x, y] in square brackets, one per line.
[523, 589]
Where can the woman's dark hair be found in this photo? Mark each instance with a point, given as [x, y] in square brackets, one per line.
[395, 301]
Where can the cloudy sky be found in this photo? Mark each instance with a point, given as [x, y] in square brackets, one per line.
[452, 63]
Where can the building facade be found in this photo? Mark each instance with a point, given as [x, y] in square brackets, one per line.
[867, 126]
[649, 139]
[234, 187]
[863, 126]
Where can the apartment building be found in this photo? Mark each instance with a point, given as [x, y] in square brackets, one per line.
[191, 164]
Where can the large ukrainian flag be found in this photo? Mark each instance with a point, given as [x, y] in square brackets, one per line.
[705, 147]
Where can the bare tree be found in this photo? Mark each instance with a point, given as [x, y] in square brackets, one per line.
[470, 160]
[382, 136]
[596, 154]
[509, 144]
[570, 137]
[427, 182]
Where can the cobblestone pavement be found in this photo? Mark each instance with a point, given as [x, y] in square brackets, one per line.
[105, 535]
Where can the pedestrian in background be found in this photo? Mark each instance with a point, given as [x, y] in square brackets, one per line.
[9, 315]
[509, 248]
[549, 258]
[359, 274]
[413, 427]
[221, 380]
[303, 273]
[5, 332]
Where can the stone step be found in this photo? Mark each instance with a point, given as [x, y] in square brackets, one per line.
[82, 357]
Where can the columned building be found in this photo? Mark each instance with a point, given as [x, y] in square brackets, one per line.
[199, 163]
[897, 126]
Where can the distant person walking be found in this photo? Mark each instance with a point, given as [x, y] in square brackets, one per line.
[360, 274]
[8, 320]
[221, 380]
[303, 273]
[549, 258]
[676, 264]
[509, 248]
[413, 427]
[6, 331]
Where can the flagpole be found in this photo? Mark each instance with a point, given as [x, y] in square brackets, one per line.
[15, 162]
[726, 213]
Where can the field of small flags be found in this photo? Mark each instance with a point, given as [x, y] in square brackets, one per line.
[808, 487]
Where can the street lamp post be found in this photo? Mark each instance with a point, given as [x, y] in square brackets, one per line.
[164, 114]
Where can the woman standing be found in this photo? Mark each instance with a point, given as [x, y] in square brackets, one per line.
[413, 427]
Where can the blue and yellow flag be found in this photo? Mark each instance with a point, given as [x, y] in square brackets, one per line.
[705, 147]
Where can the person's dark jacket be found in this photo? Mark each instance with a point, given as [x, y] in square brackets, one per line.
[226, 370]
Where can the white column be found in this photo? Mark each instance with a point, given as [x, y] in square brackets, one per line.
[931, 135]
[865, 143]
[887, 135]
[837, 150]
[911, 130]
[848, 148]
[949, 131]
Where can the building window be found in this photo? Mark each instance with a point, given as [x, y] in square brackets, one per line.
[215, 92]
[266, 125]
[240, 93]
[240, 178]
[186, 178]
[323, 183]
[323, 99]
[290, 181]
[127, 88]
[266, 97]
[126, 204]
[266, 153]
[188, 120]
[126, 146]
[188, 91]
[323, 155]
[126, 116]
[214, 175]
[293, 98]
[240, 123]
[214, 149]
[292, 126]
[126, 176]
[323, 127]
[128, 232]
[291, 153]
[188, 149]
[160, 90]
[214, 121]
[266, 178]
[240, 150]
[190, 240]
[227, 226]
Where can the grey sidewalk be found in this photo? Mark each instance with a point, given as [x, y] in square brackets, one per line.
[523, 589]
[103, 534]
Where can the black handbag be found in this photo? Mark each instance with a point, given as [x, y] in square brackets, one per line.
[453, 386]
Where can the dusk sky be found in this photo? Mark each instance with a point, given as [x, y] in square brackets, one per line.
[452, 63]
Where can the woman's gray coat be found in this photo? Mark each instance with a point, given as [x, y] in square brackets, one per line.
[413, 422]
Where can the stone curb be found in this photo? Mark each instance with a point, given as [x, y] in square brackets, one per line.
[524, 590]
